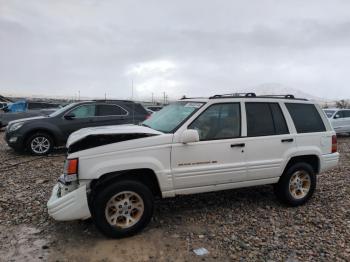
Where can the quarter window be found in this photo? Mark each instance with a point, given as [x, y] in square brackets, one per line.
[84, 111]
[265, 119]
[219, 121]
[305, 117]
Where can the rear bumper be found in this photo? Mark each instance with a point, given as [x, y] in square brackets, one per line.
[329, 161]
[72, 206]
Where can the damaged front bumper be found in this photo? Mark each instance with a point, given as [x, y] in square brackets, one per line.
[70, 206]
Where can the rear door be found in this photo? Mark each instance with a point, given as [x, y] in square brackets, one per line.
[268, 140]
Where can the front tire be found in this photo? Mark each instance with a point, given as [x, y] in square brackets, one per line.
[296, 185]
[122, 209]
[39, 144]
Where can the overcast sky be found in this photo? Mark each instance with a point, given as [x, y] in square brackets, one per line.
[192, 47]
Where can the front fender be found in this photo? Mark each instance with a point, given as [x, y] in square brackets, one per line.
[156, 160]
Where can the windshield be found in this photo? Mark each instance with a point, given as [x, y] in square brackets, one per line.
[329, 113]
[170, 117]
[61, 110]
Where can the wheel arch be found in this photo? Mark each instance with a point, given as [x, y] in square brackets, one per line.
[40, 130]
[311, 159]
[144, 175]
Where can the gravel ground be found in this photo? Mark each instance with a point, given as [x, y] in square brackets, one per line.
[243, 225]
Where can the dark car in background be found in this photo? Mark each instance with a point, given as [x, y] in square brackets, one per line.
[25, 109]
[39, 135]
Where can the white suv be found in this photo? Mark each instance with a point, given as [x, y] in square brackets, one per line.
[339, 118]
[192, 146]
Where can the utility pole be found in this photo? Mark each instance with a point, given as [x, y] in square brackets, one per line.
[105, 96]
[152, 98]
[132, 89]
[164, 98]
[79, 95]
[132, 98]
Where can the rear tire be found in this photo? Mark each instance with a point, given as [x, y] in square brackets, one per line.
[39, 144]
[296, 185]
[122, 209]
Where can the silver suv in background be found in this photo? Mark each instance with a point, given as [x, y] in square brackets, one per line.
[340, 119]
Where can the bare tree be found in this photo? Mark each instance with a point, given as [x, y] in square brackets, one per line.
[342, 104]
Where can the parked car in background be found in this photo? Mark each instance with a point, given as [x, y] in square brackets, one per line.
[150, 111]
[38, 135]
[3, 105]
[154, 108]
[340, 119]
[24, 109]
[7, 117]
[193, 146]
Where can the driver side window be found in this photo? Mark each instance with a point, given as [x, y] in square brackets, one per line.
[219, 121]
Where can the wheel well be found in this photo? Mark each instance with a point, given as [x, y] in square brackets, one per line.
[312, 160]
[32, 132]
[145, 176]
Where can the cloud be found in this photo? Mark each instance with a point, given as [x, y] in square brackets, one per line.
[182, 47]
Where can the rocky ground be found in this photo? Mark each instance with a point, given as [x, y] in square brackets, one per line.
[236, 225]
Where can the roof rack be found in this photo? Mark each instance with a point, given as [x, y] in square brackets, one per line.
[288, 96]
[233, 95]
[111, 100]
[249, 95]
[184, 98]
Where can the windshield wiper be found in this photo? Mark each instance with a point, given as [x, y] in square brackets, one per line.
[145, 125]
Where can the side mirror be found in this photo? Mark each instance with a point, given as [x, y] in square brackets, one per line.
[69, 116]
[336, 116]
[189, 136]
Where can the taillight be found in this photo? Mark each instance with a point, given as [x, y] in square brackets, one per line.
[71, 166]
[334, 144]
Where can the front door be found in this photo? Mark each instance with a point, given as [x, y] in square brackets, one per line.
[218, 158]
[84, 116]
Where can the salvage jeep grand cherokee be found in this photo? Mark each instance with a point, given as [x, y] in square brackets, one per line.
[112, 174]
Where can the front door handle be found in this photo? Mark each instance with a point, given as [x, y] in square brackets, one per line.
[238, 145]
[288, 140]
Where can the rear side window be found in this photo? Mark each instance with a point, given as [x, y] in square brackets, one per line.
[306, 118]
[265, 119]
[110, 110]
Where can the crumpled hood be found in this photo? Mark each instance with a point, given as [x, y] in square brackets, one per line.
[109, 130]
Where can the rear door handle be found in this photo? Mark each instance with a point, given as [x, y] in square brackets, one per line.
[238, 145]
[288, 140]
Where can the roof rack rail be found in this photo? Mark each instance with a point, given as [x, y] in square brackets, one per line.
[184, 97]
[111, 100]
[249, 95]
[288, 96]
[233, 95]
